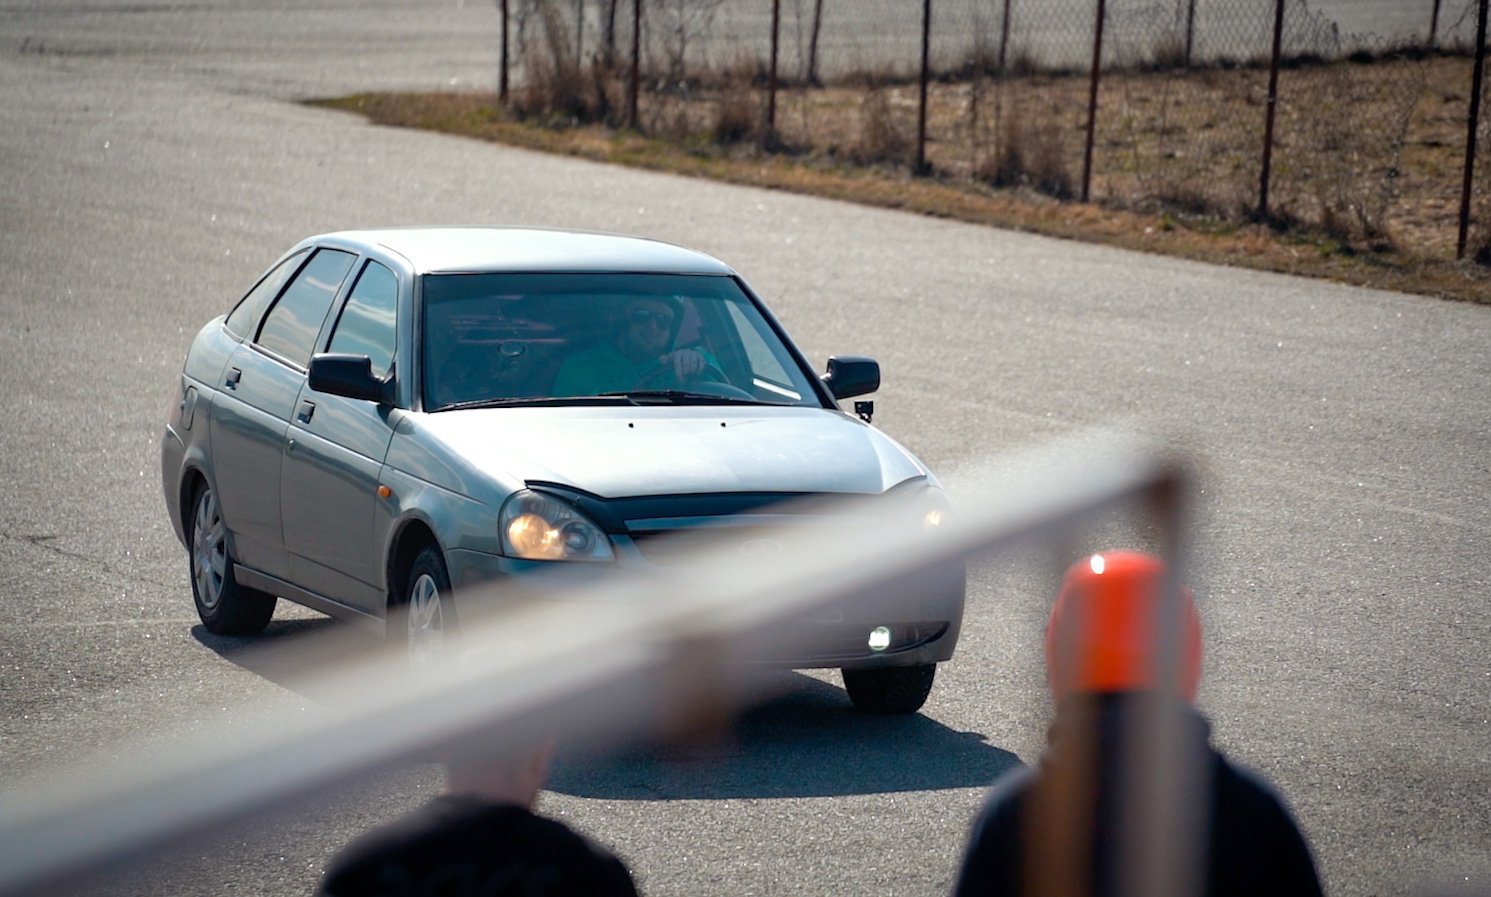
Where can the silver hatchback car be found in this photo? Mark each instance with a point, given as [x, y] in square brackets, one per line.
[391, 416]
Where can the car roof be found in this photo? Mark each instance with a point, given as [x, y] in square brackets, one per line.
[490, 249]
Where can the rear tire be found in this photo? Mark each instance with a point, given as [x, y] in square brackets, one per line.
[890, 690]
[226, 608]
[422, 617]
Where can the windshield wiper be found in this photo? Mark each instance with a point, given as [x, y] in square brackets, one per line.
[526, 401]
[679, 396]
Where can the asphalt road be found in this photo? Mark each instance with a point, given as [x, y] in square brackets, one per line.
[152, 164]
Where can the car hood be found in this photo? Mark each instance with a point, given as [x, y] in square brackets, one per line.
[624, 452]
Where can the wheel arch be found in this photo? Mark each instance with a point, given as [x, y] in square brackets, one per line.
[413, 536]
[193, 478]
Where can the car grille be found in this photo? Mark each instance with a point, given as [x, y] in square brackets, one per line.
[671, 548]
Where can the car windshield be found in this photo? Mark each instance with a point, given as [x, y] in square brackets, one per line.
[506, 339]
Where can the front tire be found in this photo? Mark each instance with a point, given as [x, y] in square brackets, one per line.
[423, 618]
[226, 608]
[890, 690]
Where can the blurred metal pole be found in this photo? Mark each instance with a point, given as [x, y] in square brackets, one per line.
[921, 114]
[1434, 26]
[502, 73]
[631, 89]
[1272, 106]
[1163, 792]
[579, 31]
[771, 80]
[1092, 100]
[1472, 128]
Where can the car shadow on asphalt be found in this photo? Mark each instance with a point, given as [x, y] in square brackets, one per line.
[293, 654]
[809, 742]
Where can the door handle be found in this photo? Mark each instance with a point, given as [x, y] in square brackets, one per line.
[306, 410]
[234, 374]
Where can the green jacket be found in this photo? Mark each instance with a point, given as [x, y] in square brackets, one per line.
[599, 369]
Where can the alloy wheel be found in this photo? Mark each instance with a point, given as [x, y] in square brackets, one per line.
[426, 623]
[209, 551]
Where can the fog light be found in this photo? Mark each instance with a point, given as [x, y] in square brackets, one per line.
[879, 638]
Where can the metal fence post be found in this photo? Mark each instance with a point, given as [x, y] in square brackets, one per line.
[1472, 127]
[502, 73]
[771, 80]
[631, 90]
[921, 115]
[1092, 100]
[1004, 36]
[608, 38]
[813, 43]
[1191, 30]
[1272, 106]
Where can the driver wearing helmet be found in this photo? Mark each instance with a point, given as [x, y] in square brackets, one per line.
[637, 355]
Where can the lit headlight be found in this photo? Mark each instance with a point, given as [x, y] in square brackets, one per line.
[538, 528]
[919, 506]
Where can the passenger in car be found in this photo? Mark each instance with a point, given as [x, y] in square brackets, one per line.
[638, 355]
[491, 369]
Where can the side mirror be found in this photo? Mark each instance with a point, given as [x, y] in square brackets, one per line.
[347, 375]
[851, 375]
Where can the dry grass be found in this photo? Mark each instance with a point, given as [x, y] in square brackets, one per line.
[1174, 171]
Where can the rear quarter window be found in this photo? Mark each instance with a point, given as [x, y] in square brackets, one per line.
[244, 319]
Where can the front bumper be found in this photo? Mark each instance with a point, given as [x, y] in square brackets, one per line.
[923, 610]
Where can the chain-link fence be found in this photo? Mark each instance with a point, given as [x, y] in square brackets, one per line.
[1221, 108]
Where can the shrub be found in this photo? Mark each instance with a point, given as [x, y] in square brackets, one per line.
[881, 139]
[1028, 156]
[737, 114]
[1167, 52]
[555, 84]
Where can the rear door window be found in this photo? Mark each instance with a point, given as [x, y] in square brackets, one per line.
[291, 327]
